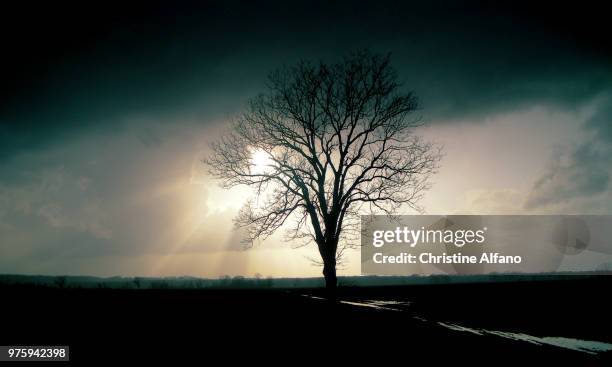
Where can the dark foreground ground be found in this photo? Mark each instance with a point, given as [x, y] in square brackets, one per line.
[468, 323]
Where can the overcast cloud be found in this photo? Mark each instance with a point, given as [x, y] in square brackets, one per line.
[106, 117]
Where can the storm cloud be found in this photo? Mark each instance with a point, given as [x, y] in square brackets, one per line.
[107, 109]
[583, 171]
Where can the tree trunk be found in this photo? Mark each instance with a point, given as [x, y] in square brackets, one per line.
[329, 272]
[327, 249]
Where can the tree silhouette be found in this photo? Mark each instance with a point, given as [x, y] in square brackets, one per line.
[326, 143]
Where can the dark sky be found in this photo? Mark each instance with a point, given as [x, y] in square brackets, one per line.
[104, 104]
[70, 66]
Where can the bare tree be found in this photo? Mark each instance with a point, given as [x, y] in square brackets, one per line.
[325, 144]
